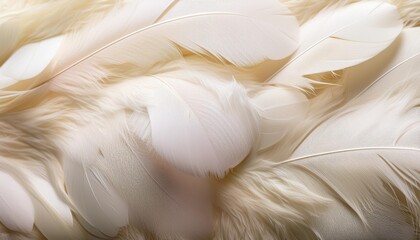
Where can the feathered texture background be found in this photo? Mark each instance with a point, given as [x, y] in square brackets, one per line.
[190, 119]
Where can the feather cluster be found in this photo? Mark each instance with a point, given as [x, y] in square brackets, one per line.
[238, 119]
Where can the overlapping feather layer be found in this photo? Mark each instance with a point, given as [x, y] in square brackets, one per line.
[154, 120]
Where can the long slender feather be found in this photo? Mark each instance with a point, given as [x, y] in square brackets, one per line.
[53, 216]
[366, 155]
[266, 23]
[340, 37]
[96, 200]
[366, 180]
[379, 74]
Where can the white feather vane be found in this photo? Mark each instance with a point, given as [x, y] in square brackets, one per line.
[16, 208]
[338, 38]
[156, 120]
[28, 61]
[368, 155]
[199, 122]
[158, 195]
[148, 25]
[117, 179]
[279, 110]
[391, 68]
[96, 200]
[379, 185]
[53, 216]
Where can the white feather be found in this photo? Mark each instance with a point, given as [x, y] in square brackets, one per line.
[133, 182]
[382, 115]
[95, 198]
[340, 37]
[51, 198]
[201, 126]
[28, 61]
[160, 197]
[379, 185]
[367, 156]
[53, 217]
[16, 208]
[148, 25]
[389, 69]
[279, 110]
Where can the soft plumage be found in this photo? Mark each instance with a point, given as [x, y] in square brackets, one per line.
[209, 119]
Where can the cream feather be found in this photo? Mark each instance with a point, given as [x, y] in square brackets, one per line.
[176, 204]
[158, 26]
[139, 100]
[201, 126]
[130, 183]
[364, 160]
[16, 209]
[8, 38]
[379, 185]
[377, 75]
[340, 37]
[22, 64]
[367, 155]
[96, 200]
[279, 110]
[25, 22]
[53, 216]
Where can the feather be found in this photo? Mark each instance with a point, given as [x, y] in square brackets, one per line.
[53, 217]
[28, 61]
[337, 38]
[132, 182]
[16, 208]
[277, 119]
[366, 155]
[157, 26]
[8, 38]
[384, 114]
[368, 181]
[203, 125]
[399, 61]
[49, 195]
[23, 22]
[95, 198]
[360, 169]
[177, 204]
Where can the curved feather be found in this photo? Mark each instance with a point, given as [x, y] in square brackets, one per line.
[91, 192]
[367, 156]
[376, 184]
[28, 61]
[53, 217]
[117, 177]
[9, 36]
[385, 113]
[201, 125]
[266, 23]
[16, 208]
[389, 69]
[279, 110]
[176, 203]
[340, 37]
